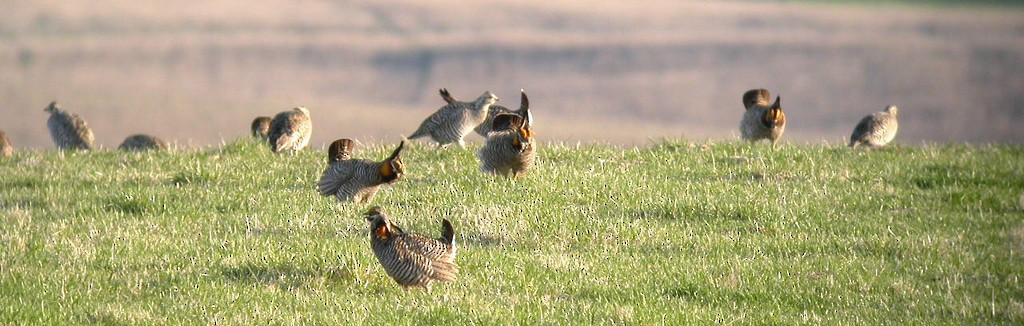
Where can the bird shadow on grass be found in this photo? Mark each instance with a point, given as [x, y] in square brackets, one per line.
[286, 277]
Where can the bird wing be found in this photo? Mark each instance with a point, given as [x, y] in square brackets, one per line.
[441, 116]
[336, 175]
[862, 129]
[430, 256]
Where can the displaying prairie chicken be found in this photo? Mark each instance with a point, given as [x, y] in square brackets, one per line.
[340, 150]
[260, 127]
[358, 180]
[452, 122]
[484, 128]
[140, 142]
[6, 150]
[877, 129]
[761, 120]
[68, 130]
[509, 149]
[410, 259]
[290, 130]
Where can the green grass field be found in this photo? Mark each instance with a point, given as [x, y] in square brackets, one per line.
[678, 232]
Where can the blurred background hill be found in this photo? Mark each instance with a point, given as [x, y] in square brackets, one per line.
[622, 72]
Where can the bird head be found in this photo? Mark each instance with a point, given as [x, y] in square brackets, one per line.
[486, 99]
[53, 107]
[380, 226]
[393, 168]
[892, 109]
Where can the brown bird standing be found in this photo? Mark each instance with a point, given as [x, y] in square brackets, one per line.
[762, 121]
[68, 130]
[509, 149]
[290, 130]
[359, 180]
[412, 260]
[876, 130]
[140, 142]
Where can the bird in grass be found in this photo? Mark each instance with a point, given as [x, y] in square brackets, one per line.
[412, 260]
[260, 127]
[761, 120]
[340, 150]
[877, 129]
[6, 150]
[452, 122]
[485, 128]
[509, 149]
[68, 130]
[140, 142]
[359, 180]
[290, 130]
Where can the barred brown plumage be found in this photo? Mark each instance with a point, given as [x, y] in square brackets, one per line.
[452, 122]
[68, 130]
[485, 128]
[509, 149]
[340, 150]
[358, 180]
[762, 121]
[140, 142]
[876, 130]
[260, 127]
[412, 260]
[6, 149]
[290, 130]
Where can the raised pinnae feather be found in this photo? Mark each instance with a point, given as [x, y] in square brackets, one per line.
[505, 121]
[447, 232]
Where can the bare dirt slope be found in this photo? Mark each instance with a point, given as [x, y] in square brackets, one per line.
[613, 71]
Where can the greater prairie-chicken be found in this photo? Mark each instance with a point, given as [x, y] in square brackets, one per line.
[260, 127]
[68, 130]
[290, 130]
[412, 260]
[485, 128]
[340, 150]
[358, 180]
[877, 129]
[452, 122]
[6, 149]
[140, 142]
[761, 120]
[509, 149]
